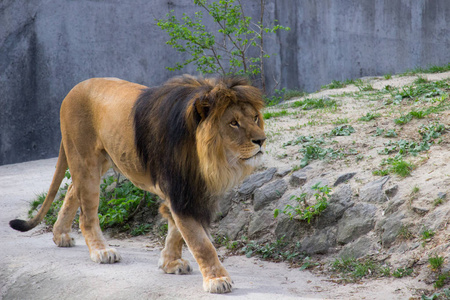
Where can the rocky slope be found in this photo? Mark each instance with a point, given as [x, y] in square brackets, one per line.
[382, 147]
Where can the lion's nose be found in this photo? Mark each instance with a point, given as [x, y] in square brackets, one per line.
[259, 142]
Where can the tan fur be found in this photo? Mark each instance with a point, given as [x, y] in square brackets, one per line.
[97, 132]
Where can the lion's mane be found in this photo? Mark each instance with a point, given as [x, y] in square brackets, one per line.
[177, 140]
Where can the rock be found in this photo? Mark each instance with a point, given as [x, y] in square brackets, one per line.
[356, 221]
[391, 191]
[393, 205]
[361, 247]
[268, 193]
[260, 221]
[290, 229]
[283, 172]
[298, 178]
[373, 191]
[343, 178]
[420, 210]
[320, 242]
[338, 203]
[437, 218]
[234, 222]
[255, 181]
[442, 195]
[224, 204]
[390, 228]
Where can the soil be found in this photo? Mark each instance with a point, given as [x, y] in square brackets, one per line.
[32, 267]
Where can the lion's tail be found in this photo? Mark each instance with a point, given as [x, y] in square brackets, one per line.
[61, 167]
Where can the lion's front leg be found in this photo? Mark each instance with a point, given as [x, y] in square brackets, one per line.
[215, 277]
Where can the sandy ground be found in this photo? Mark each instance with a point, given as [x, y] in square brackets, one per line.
[32, 267]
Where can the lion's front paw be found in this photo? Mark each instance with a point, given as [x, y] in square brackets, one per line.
[179, 266]
[218, 285]
[105, 256]
[63, 240]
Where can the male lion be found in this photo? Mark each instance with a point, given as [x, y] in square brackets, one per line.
[188, 141]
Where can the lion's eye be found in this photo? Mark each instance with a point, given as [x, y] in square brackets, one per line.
[234, 124]
[256, 119]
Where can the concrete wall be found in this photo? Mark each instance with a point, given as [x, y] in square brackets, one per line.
[47, 46]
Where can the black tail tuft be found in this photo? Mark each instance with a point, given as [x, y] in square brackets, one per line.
[19, 225]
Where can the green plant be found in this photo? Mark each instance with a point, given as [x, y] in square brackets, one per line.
[120, 204]
[227, 50]
[362, 86]
[387, 76]
[342, 130]
[276, 98]
[436, 262]
[141, 229]
[404, 233]
[427, 234]
[289, 94]
[314, 103]
[340, 121]
[420, 79]
[401, 272]
[402, 120]
[395, 165]
[369, 116]
[274, 114]
[441, 280]
[359, 268]
[301, 210]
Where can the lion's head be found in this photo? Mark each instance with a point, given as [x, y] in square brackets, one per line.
[198, 138]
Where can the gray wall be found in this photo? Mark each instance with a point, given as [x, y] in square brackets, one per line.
[47, 46]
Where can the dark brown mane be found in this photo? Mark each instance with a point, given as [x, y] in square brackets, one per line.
[166, 119]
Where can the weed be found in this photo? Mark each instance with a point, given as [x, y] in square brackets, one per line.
[342, 130]
[340, 121]
[314, 103]
[141, 229]
[441, 280]
[363, 87]
[438, 201]
[275, 114]
[401, 272]
[369, 117]
[420, 79]
[289, 94]
[387, 76]
[395, 165]
[427, 234]
[274, 251]
[404, 233]
[359, 268]
[402, 120]
[302, 211]
[436, 262]
[431, 131]
[415, 189]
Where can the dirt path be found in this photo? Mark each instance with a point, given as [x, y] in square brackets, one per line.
[32, 267]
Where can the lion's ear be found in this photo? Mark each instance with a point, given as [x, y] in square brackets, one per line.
[202, 107]
[197, 112]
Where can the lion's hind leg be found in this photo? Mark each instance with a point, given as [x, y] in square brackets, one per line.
[86, 184]
[63, 225]
[170, 260]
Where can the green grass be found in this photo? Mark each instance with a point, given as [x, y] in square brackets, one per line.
[289, 94]
[436, 262]
[387, 76]
[427, 234]
[356, 269]
[314, 103]
[274, 114]
[431, 69]
[395, 165]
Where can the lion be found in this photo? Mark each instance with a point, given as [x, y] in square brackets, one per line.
[189, 141]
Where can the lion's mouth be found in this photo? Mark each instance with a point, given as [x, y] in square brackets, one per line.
[257, 154]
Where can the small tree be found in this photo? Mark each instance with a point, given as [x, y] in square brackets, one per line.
[225, 52]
